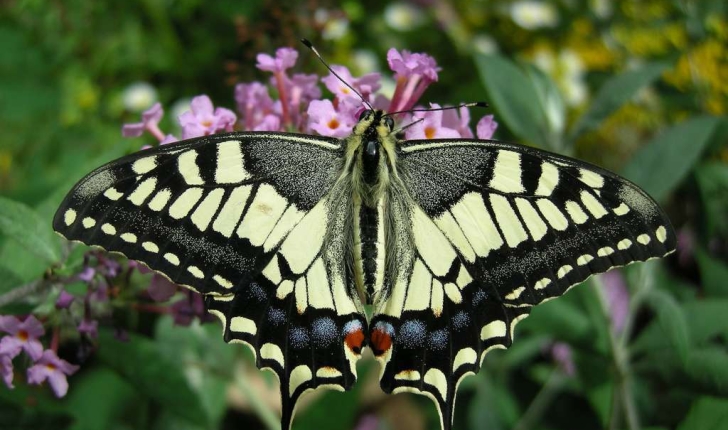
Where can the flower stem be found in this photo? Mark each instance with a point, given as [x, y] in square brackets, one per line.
[263, 412]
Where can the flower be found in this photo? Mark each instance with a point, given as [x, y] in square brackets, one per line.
[533, 15]
[414, 73]
[617, 298]
[326, 121]
[254, 104]
[561, 353]
[160, 288]
[150, 122]
[64, 300]
[202, 120]
[89, 327]
[429, 125]
[365, 85]
[6, 370]
[486, 127]
[22, 335]
[285, 59]
[50, 367]
[185, 310]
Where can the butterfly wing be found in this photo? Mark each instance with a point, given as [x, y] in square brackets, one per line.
[496, 229]
[240, 218]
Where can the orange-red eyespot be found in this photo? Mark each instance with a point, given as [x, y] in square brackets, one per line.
[354, 336]
[381, 338]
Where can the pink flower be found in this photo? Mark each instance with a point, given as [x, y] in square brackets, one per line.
[50, 367]
[561, 353]
[486, 127]
[254, 104]
[326, 121]
[203, 119]
[160, 288]
[366, 84]
[184, 311]
[64, 300]
[617, 298]
[89, 327]
[430, 126]
[22, 335]
[460, 123]
[150, 122]
[170, 138]
[414, 73]
[285, 59]
[6, 370]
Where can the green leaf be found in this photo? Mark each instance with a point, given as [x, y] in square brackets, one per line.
[141, 364]
[23, 224]
[93, 411]
[712, 179]
[713, 274]
[706, 413]
[662, 164]
[706, 370]
[560, 319]
[671, 319]
[514, 98]
[551, 104]
[614, 94]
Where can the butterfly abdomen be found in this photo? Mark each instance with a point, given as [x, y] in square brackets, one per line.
[369, 250]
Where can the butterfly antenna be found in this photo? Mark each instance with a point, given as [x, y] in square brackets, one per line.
[471, 104]
[405, 127]
[310, 46]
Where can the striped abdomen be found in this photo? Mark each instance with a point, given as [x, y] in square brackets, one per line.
[369, 251]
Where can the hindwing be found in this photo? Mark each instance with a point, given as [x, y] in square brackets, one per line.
[241, 218]
[495, 229]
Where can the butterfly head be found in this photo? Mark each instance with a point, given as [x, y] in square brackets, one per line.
[373, 146]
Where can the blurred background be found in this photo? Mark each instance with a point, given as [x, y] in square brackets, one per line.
[638, 87]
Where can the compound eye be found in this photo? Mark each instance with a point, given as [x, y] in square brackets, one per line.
[389, 121]
[365, 113]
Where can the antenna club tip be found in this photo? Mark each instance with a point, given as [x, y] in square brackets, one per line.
[306, 42]
[482, 104]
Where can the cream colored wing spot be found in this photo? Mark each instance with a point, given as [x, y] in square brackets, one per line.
[548, 180]
[508, 221]
[317, 279]
[188, 168]
[185, 202]
[605, 251]
[408, 375]
[196, 272]
[300, 375]
[272, 271]
[515, 294]
[328, 372]
[142, 191]
[661, 234]
[229, 216]
[271, 351]
[129, 237]
[202, 216]
[535, 225]
[507, 173]
[301, 294]
[622, 209]
[437, 298]
[431, 243]
[261, 217]
[243, 325]
[171, 258]
[291, 217]
[108, 229]
[310, 231]
[437, 379]
[452, 292]
[643, 239]
[222, 282]
[150, 247]
[88, 222]
[113, 194]
[463, 357]
[542, 283]
[418, 300]
[575, 213]
[477, 225]
[592, 204]
[284, 289]
[624, 244]
[448, 225]
[584, 259]
[160, 200]
[144, 165]
[553, 215]
[464, 279]
[230, 166]
[69, 217]
[496, 328]
[590, 178]
[563, 271]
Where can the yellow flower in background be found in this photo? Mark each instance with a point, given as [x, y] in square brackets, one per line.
[533, 15]
[704, 68]
[591, 47]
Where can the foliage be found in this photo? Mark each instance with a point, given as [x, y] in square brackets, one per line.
[636, 87]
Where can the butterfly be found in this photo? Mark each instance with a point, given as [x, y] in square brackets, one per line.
[288, 236]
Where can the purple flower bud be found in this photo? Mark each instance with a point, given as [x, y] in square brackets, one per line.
[150, 122]
[89, 327]
[202, 120]
[429, 126]
[50, 367]
[486, 127]
[160, 288]
[6, 370]
[561, 353]
[22, 335]
[617, 298]
[87, 274]
[64, 300]
[285, 59]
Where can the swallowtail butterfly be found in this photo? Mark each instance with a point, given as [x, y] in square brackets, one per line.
[289, 235]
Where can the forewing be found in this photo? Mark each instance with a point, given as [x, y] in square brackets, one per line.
[507, 227]
[238, 217]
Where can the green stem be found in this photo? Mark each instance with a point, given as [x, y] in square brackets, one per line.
[541, 402]
[270, 420]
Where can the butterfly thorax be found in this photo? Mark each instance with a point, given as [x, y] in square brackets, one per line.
[371, 161]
